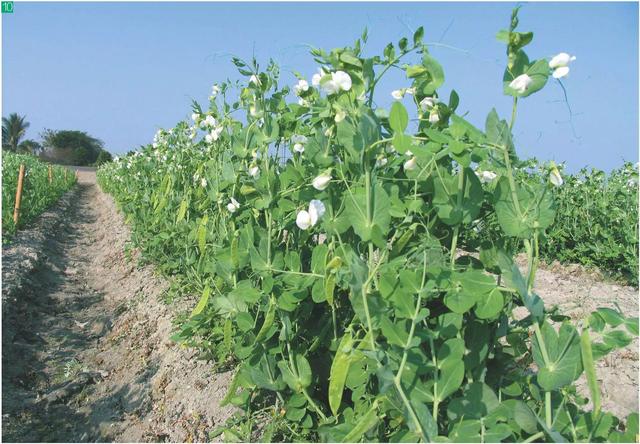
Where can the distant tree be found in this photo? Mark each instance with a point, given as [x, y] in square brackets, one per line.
[30, 146]
[103, 157]
[70, 147]
[13, 129]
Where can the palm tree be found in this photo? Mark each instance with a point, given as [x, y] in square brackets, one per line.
[13, 129]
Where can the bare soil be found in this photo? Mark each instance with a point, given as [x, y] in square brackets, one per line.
[86, 354]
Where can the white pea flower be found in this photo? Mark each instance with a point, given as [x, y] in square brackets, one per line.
[195, 117]
[631, 183]
[560, 72]
[397, 94]
[410, 164]
[255, 80]
[340, 81]
[215, 133]
[215, 89]
[340, 115]
[316, 211]
[486, 176]
[303, 102]
[307, 219]
[555, 177]
[303, 220]
[433, 116]
[233, 205]
[381, 161]
[301, 86]
[407, 153]
[254, 171]
[315, 79]
[321, 182]
[411, 91]
[328, 132]
[428, 103]
[521, 83]
[561, 60]
[299, 142]
[203, 183]
[210, 121]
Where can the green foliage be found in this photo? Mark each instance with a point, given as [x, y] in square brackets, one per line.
[37, 193]
[322, 237]
[595, 223]
[69, 147]
[14, 128]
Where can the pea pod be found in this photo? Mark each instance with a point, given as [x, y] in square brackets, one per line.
[268, 320]
[182, 211]
[202, 303]
[590, 369]
[329, 287]
[339, 371]
[202, 234]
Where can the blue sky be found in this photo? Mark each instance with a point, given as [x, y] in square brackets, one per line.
[120, 71]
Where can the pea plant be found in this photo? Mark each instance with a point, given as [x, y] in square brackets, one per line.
[596, 222]
[326, 238]
[38, 194]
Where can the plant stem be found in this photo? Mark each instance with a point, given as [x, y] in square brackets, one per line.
[534, 437]
[547, 406]
[454, 240]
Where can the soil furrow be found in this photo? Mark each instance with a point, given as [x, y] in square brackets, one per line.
[86, 354]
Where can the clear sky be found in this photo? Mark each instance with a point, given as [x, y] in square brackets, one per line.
[120, 71]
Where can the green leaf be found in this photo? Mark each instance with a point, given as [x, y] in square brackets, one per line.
[450, 369]
[418, 35]
[490, 306]
[356, 212]
[528, 215]
[477, 401]
[364, 424]
[202, 303]
[454, 211]
[339, 371]
[395, 333]
[616, 339]
[538, 71]
[611, 317]
[398, 117]
[466, 289]
[565, 361]
[524, 417]
[401, 142]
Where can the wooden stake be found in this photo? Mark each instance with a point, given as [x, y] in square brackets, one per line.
[16, 209]
[50, 175]
[65, 174]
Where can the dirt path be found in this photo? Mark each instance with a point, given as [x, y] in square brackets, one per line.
[86, 352]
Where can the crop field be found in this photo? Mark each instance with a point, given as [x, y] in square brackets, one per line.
[38, 193]
[335, 271]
